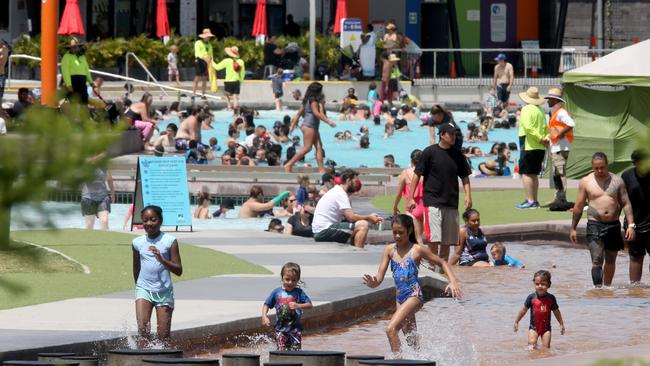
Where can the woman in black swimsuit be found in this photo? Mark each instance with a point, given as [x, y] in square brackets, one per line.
[138, 116]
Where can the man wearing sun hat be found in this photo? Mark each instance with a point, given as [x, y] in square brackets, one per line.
[202, 58]
[234, 75]
[560, 138]
[532, 140]
[76, 72]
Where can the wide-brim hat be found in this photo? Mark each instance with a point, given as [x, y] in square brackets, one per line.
[531, 96]
[392, 58]
[554, 93]
[391, 26]
[206, 33]
[488, 168]
[232, 51]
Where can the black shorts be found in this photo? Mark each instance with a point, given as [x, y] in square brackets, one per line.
[531, 161]
[90, 207]
[603, 237]
[340, 233]
[231, 87]
[640, 245]
[502, 93]
[200, 67]
[278, 95]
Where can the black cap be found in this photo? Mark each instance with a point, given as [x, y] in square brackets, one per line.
[394, 111]
[446, 128]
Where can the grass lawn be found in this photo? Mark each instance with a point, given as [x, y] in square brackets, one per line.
[498, 207]
[27, 280]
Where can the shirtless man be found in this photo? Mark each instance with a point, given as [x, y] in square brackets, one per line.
[607, 196]
[190, 129]
[255, 207]
[504, 77]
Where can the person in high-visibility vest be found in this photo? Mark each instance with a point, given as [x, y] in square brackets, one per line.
[560, 137]
[76, 72]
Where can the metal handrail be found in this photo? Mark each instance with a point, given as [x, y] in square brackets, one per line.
[128, 90]
[115, 76]
[524, 50]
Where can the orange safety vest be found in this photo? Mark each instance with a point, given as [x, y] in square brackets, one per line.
[555, 127]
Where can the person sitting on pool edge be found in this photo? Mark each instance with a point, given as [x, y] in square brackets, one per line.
[334, 206]
[254, 207]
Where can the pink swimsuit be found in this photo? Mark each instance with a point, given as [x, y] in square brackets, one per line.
[418, 211]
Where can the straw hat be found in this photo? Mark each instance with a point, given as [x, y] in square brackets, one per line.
[531, 96]
[488, 168]
[206, 33]
[393, 58]
[555, 93]
[391, 26]
[232, 51]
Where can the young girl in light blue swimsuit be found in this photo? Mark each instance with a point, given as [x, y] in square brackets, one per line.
[404, 257]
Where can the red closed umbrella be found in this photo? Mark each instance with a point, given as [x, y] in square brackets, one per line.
[341, 13]
[259, 24]
[71, 20]
[162, 21]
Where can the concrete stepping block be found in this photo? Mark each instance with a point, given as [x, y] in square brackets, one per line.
[353, 360]
[398, 362]
[133, 357]
[54, 356]
[282, 363]
[310, 358]
[181, 361]
[83, 360]
[240, 359]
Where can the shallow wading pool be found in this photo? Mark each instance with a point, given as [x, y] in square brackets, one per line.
[478, 330]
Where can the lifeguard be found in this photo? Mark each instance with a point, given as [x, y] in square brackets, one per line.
[560, 138]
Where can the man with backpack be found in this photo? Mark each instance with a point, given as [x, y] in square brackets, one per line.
[234, 75]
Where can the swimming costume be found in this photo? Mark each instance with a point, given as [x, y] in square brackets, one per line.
[288, 328]
[507, 261]
[418, 211]
[133, 116]
[474, 250]
[405, 274]
[540, 311]
[310, 120]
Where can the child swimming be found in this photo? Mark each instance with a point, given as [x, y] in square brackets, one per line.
[154, 256]
[540, 303]
[472, 249]
[289, 301]
[404, 257]
[499, 257]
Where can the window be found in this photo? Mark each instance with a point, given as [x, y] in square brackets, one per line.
[4, 16]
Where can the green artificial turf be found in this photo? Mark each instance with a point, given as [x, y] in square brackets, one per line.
[498, 207]
[108, 255]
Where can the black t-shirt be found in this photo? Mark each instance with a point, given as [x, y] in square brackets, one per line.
[459, 133]
[638, 189]
[270, 58]
[400, 123]
[298, 229]
[441, 169]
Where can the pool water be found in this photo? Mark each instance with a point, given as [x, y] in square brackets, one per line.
[348, 153]
[68, 215]
[478, 329]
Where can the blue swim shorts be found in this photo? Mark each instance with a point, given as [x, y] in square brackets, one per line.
[157, 298]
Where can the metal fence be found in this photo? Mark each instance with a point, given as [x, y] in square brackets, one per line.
[441, 63]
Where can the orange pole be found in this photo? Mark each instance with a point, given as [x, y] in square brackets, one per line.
[49, 42]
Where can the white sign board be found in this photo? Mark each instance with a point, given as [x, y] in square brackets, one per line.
[474, 15]
[498, 22]
[351, 30]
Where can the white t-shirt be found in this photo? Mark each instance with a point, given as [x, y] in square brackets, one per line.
[562, 116]
[329, 209]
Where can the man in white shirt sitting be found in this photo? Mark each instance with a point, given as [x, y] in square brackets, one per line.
[334, 206]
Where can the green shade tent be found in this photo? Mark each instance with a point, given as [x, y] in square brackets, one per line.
[610, 102]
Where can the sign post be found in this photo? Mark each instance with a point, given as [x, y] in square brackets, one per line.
[162, 181]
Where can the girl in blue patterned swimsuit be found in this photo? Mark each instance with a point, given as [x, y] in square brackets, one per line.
[404, 257]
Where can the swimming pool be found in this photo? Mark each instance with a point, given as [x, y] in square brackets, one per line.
[478, 329]
[348, 153]
[68, 215]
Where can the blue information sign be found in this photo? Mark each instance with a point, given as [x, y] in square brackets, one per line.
[163, 182]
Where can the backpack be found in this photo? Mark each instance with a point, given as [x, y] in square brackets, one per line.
[235, 65]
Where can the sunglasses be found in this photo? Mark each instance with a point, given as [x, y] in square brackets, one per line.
[292, 200]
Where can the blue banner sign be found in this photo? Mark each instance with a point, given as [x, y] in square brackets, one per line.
[164, 183]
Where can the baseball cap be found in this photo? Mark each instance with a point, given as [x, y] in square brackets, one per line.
[394, 111]
[446, 128]
[500, 57]
[277, 124]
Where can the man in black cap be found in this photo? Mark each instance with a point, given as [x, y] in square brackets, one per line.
[441, 165]
[328, 183]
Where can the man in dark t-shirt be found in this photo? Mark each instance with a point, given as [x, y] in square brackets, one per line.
[272, 52]
[637, 184]
[441, 165]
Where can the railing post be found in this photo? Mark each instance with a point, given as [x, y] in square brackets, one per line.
[9, 73]
[525, 63]
[435, 64]
[480, 64]
[128, 88]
